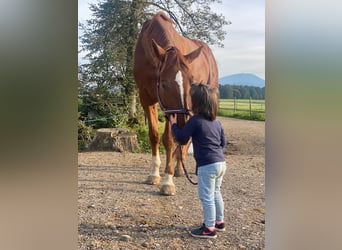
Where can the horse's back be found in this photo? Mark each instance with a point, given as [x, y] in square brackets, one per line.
[204, 68]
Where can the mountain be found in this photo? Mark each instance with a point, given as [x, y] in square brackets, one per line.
[242, 79]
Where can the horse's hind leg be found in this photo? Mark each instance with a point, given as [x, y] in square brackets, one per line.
[152, 117]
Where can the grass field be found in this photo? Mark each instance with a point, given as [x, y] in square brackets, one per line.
[243, 109]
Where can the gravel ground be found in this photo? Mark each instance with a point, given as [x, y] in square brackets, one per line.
[116, 210]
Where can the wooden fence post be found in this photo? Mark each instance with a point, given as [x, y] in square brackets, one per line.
[250, 106]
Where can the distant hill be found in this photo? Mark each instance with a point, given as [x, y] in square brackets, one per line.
[242, 79]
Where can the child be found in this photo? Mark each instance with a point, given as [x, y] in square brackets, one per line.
[208, 141]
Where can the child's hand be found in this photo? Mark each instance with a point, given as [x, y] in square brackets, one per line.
[173, 118]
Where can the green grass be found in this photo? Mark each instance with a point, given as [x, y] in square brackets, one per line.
[143, 138]
[242, 115]
[242, 109]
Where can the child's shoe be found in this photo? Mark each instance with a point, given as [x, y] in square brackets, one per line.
[220, 227]
[203, 232]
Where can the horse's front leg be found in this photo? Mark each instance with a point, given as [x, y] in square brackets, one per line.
[152, 117]
[180, 154]
[167, 185]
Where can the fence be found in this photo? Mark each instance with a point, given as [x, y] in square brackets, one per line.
[243, 105]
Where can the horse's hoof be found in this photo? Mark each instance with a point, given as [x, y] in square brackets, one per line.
[179, 172]
[152, 180]
[168, 190]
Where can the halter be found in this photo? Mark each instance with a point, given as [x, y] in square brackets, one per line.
[178, 110]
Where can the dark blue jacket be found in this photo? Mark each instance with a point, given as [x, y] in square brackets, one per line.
[207, 138]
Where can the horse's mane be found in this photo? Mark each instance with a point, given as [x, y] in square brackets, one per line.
[165, 17]
[161, 29]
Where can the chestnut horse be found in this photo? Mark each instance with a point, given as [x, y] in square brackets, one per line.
[165, 66]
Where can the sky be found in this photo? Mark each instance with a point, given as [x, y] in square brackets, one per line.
[244, 45]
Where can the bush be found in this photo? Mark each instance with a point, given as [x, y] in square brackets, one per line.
[85, 135]
[140, 128]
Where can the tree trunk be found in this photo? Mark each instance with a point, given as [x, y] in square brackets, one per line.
[133, 34]
[114, 139]
[133, 109]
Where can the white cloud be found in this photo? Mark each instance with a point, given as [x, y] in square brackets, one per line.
[244, 49]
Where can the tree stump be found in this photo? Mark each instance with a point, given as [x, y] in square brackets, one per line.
[114, 139]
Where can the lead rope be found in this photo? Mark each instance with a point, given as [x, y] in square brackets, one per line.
[183, 165]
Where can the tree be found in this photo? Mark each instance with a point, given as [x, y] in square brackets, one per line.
[244, 92]
[241, 92]
[109, 39]
[253, 93]
[226, 91]
[223, 91]
[194, 19]
[236, 93]
[230, 92]
[263, 92]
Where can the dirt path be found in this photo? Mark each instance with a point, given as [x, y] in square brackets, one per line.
[118, 211]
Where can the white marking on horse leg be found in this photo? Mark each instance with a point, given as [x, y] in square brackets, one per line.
[179, 80]
[155, 165]
[167, 180]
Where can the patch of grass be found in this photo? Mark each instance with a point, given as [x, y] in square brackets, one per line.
[242, 115]
[141, 130]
